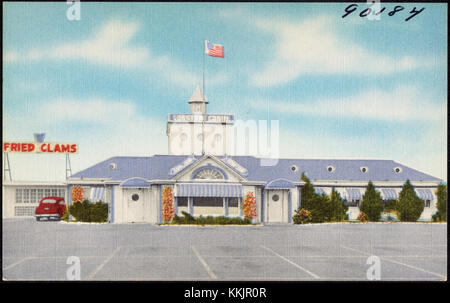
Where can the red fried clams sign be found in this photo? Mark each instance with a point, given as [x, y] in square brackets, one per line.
[34, 147]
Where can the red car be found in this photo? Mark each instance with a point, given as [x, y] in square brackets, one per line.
[50, 208]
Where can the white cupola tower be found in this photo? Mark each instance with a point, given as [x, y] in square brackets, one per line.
[198, 101]
[198, 133]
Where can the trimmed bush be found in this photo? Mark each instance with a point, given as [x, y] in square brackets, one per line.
[371, 203]
[338, 209]
[441, 205]
[409, 206]
[322, 207]
[301, 216]
[201, 220]
[89, 212]
[363, 217]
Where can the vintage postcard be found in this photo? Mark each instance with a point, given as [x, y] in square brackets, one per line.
[224, 142]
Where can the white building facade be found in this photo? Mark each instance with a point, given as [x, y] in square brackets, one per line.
[205, 180]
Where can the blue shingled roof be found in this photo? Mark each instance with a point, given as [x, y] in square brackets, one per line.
[158, 167]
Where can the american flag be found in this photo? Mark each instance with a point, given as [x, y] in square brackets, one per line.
[213, 50]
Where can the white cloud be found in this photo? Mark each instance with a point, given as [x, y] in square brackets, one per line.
[401, 104]
[313, 47]
[112, 46]
[10, 56]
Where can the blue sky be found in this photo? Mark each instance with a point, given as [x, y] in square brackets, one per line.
[340, 87]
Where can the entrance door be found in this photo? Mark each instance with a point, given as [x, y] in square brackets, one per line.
[135, 199]
[275, 201]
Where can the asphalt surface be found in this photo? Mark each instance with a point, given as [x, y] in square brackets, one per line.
[406, 251]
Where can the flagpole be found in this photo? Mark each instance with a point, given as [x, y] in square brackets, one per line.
[203, 85]
[203, 118]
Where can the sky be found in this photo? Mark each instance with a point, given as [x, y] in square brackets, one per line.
[345, 88]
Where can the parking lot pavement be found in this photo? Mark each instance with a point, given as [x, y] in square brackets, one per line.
[39, 251]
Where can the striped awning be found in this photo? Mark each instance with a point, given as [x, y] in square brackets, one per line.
[97, 194]
[425, 194]
[389, 194]
[353, 194]
[319, 190]
[208, 190]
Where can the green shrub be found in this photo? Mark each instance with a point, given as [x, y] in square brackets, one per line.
[301, 216]
[338, 209]
[371, 203]
[66, 216]
[322, 207]
[319, 206]
[363, 217]
[441, 205]
[201, 220]
[89, 212]
[409, 206]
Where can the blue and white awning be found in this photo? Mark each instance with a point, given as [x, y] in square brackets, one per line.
[97, 194]
[353, 194]
[208, 190]
[280, 184]
[425, 193]
[319, 190]
[389, 194]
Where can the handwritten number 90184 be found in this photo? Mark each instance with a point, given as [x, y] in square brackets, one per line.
[366, 12]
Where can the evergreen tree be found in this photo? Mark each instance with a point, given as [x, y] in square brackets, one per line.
[409, 206]
[372, 203]
[441, 193]
[338, 207]
[319, 206]
[307, 191]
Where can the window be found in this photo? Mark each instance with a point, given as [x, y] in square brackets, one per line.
[21, 211]
[427, 203]
[209, 173]
[398, 170]
[135, 197]
[54, 192]
[49, 201]
[275, 197]
[182, 201]
[47, 192]
[40, 194]
[352, 203]
[61, 193]
[33, 196]
[294, 168]
[208, 202]
[19, 195]
[364, 169]
[112, 165]
[183, 137]
[233, 202]
[330, 168]
[26, 195]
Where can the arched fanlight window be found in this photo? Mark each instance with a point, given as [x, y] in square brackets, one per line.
[210, 174]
